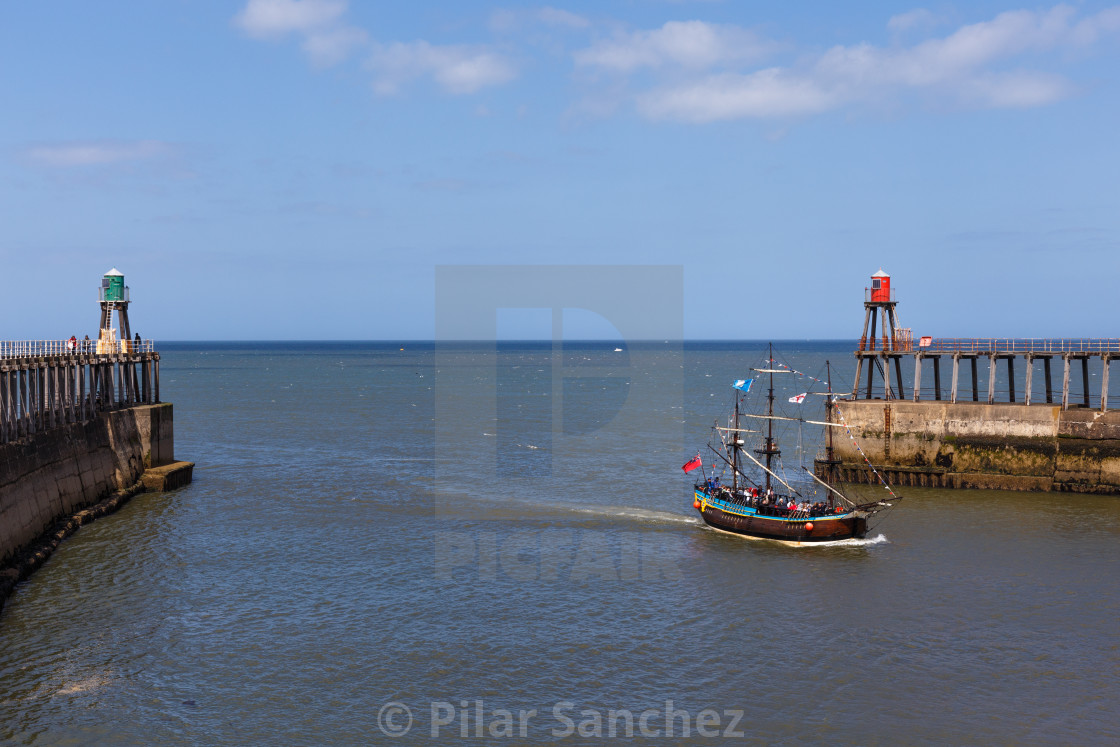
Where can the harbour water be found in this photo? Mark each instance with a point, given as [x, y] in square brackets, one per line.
[347, 552]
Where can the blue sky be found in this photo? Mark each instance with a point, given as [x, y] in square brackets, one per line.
[296, 169]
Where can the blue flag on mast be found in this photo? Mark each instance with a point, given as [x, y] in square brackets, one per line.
[743, 385]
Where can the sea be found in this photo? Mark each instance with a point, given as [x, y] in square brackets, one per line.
[494, 543]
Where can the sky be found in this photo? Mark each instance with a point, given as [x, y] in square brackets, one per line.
[299, 169]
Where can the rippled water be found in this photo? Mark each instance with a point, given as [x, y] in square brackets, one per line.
[324, 563]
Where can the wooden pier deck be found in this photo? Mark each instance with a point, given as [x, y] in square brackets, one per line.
[49, 383]
[881, 354]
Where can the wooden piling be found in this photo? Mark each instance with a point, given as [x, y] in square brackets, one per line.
[1085, 380]
[1049, 386]
[917, 375]
[83, 406]
[4, 404]
[956, 370]
[886, 378]
[992, 379]
[1011, 377]
[1030, 376]
[1065, 381]
[39, 392]
[1106, 359]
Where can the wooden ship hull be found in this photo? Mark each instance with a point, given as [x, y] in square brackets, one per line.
[747, 521]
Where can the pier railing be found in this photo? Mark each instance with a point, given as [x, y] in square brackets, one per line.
[40, 348]
[1021, 345]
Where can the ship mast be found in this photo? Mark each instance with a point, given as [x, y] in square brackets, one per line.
[828, 454]
[736, 444]
[770, 450]
[770, 422]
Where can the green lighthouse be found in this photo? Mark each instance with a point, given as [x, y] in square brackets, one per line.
[113, 295]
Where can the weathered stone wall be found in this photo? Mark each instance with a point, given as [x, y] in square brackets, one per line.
[970, 445]
[51, 475]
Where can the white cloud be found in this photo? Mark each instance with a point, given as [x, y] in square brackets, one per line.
[1016, 90]
[688, 44]
[962, 67]
[327, 40]
[507, 20]
[558, 17]
[94, 153]
[326, 48]
[276, 18]
[914, 19]
[766, 93]
[458, 69]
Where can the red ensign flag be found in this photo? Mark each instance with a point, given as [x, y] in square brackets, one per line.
[692, 464]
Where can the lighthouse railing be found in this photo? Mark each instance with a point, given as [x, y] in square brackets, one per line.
[876, 295]
[103, 293]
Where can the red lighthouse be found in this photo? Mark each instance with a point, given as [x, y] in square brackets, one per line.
[880, 287]
[882, 348]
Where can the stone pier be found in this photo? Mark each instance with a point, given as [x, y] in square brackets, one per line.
[82, 429]
[1007, 446]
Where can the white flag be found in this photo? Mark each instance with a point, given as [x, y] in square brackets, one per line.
[798, 399]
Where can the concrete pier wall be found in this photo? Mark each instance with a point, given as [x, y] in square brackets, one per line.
[51, 475]
[972, 445]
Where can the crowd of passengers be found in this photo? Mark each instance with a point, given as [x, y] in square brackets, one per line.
[767, 502]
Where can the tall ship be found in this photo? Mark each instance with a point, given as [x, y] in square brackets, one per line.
[759, 502]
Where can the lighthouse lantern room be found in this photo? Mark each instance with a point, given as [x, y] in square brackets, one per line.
[880, 287]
